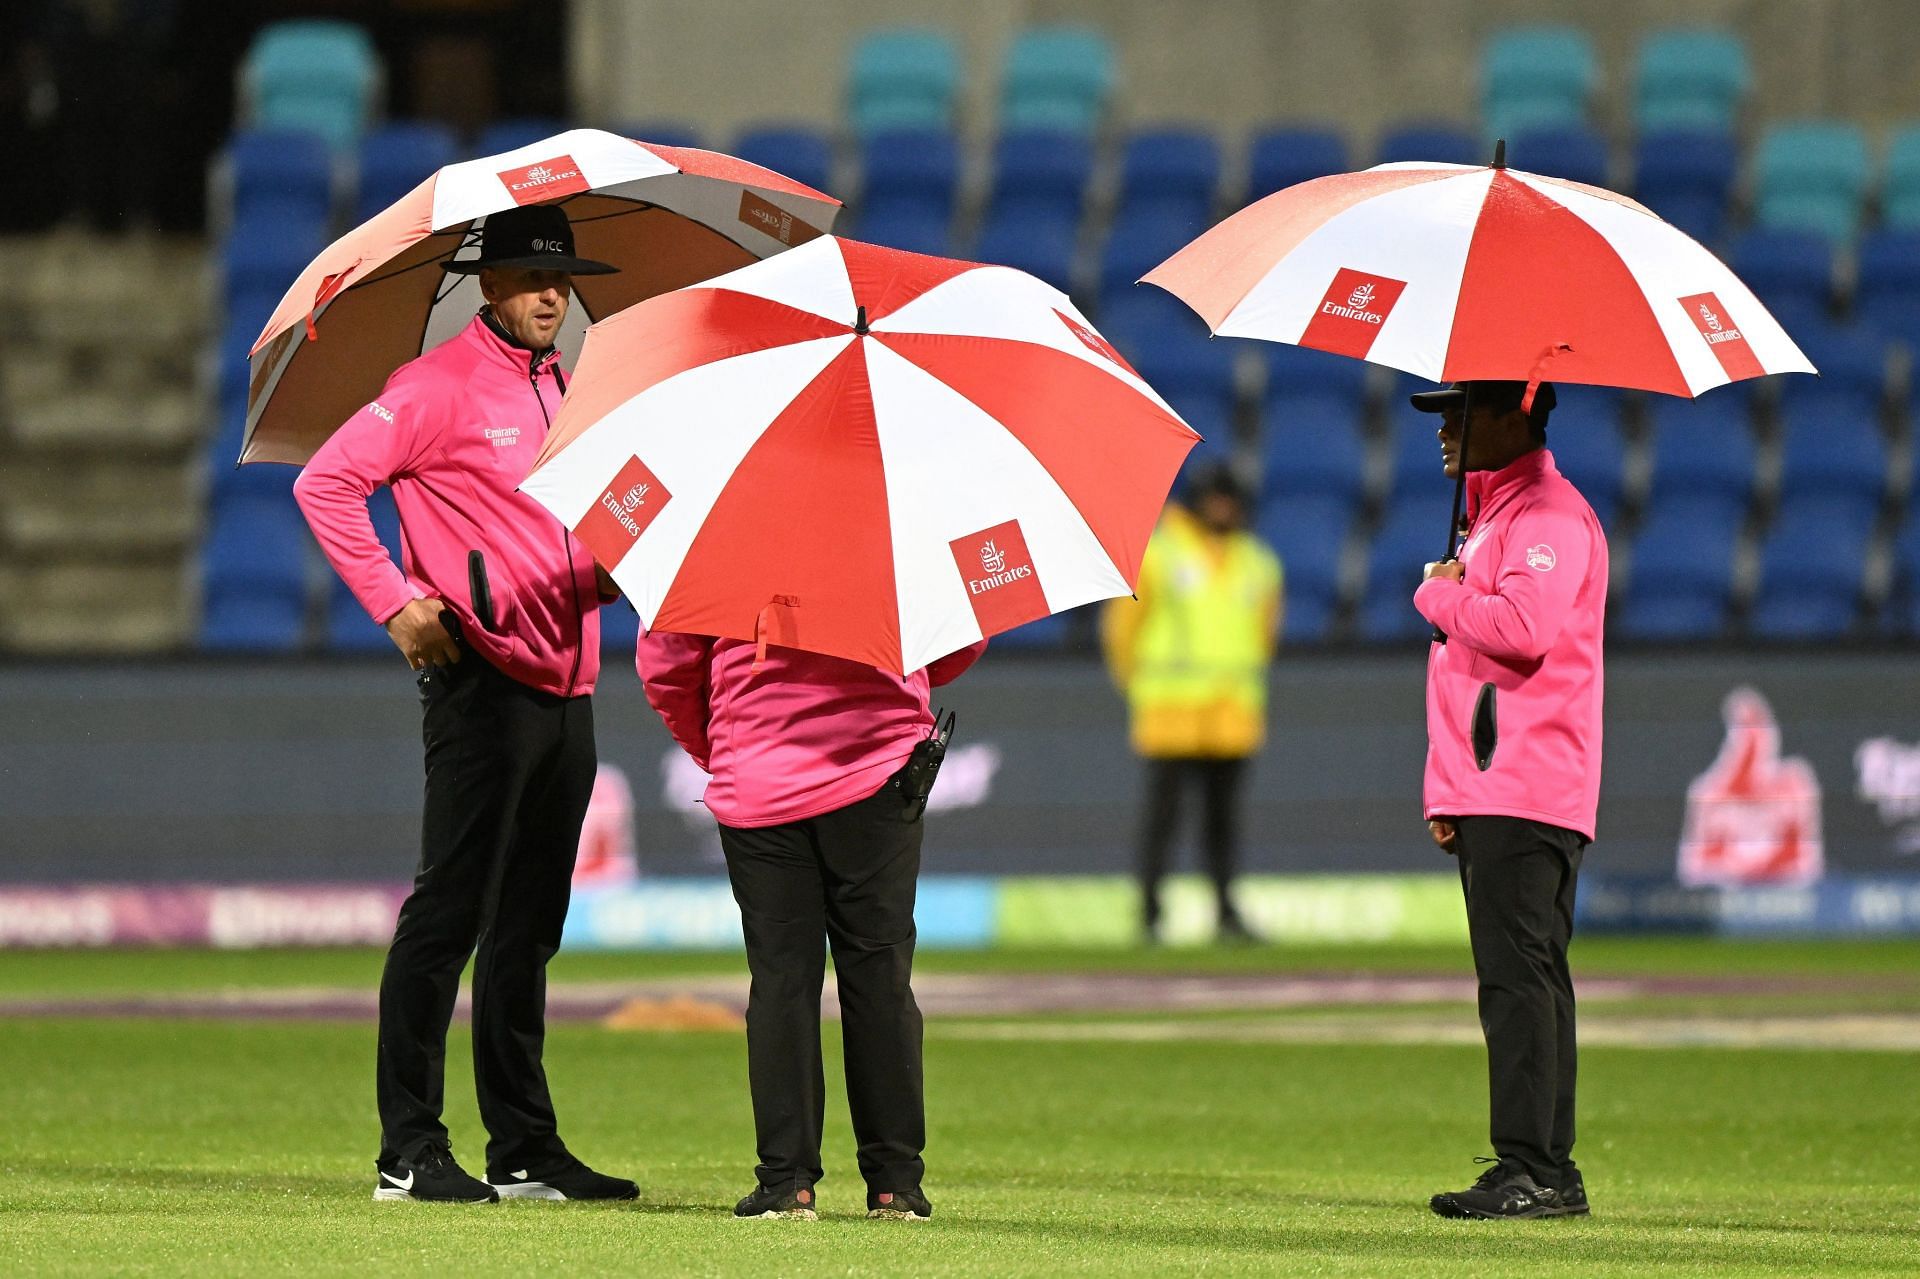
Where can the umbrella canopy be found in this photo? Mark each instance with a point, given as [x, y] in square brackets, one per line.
[861, 452]
[1455, 272]
[377, 297]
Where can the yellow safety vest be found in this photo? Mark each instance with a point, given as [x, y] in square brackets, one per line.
[1192, 650]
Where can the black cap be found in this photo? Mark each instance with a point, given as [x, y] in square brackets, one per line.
[534, 237]
[1216, 479]
[1501, 397]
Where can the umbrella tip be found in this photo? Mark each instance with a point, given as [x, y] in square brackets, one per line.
[1500, 154]
[860, 321]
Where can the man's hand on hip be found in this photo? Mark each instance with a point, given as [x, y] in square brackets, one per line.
[1445, 836]
[420, 636]
[1452, 570]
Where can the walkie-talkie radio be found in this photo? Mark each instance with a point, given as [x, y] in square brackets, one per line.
[914, 782]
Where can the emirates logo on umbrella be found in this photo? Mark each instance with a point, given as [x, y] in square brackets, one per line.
[997, 570]
[624, 510]
[544, 181]
[1352, 312]
[1723, 337]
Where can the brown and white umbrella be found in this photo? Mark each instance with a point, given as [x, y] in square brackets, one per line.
[375, 298]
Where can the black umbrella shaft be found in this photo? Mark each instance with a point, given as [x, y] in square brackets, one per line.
[1459, 486]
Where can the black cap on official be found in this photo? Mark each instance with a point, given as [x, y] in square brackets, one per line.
[534, 237]
[1500, 397]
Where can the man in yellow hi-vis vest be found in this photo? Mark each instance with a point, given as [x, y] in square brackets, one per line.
[1191, 652]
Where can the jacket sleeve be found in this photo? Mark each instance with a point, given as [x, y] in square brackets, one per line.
[676, 672]
[387, 438]
[1543, 564]
[945, 670]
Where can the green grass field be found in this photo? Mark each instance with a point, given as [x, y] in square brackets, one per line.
[145, 1145]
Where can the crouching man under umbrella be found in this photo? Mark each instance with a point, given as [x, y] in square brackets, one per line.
[1513, 769]
[819, 768]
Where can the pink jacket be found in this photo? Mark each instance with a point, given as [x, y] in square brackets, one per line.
[1513, 697]
[805, 735]
[454, 432]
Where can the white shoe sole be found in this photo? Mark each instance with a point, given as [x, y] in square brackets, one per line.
[526, 1190]
[393, 1194]
[794, 1214]
[894, 1214]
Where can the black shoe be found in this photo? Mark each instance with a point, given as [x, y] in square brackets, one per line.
[569, 1180]
[1504, 1190]
[432, 1176]
[898, 1205]
[795, 1202]
[1573, 1195]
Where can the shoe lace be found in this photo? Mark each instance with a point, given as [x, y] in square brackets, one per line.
[435, 1158]
[1494, 1175]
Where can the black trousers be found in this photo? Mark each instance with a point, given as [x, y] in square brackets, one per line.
[844, 880]
[1218, 781]
[1519, 879]
[509, 773]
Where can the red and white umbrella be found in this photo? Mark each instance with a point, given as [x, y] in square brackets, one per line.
[862, 452]
[1455, 272]
[376, 297]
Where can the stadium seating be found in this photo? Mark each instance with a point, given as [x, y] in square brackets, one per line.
[1588, 448]
[1571, 151]
[349, 629]
[1040, 635]
[1886, 297]
[1900, 185]
[1811, 567]
[1687, 177]
[254, 577]
[805, 155]
[1703, 451]
[318, 76]
[511, 135]
[1903, 605]
[1537, 77]
[1790, 271]
[1282, 157]
[1812, 176]
[1852, 359]
[1437, 141]
[1690, 79]
[1681, 583]
[1311, 444]
[619, 632]
[279, 173]
[1832, 448]
[1033, 215]
[903, 78]
[909, 181]
[1057, 78]
[396, 158]
[1412, 534]
[1309, 534]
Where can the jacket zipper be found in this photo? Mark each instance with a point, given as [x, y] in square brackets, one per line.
[566, 536]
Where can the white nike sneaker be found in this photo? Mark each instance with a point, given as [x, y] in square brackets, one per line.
[431, 1176]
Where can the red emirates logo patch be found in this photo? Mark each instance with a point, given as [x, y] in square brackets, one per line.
[1094, 342]
[622, 513]
[1723, 336]
[1353, 311]
[547, 180]
[997, 570]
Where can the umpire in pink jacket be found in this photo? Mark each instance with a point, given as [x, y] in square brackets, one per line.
[804, 752]
[508, 721]
[1513, 770]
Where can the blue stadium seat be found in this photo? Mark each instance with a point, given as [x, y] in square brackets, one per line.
[1903, 604]
[320, 76]
[1040, 173]
[1690, 79]
[1533, 77]
[805, 155]
[1832, 448]
[902, 78]
[1411, 536]
[254, 576]
[1430, 140]
[1137, 245]
[280, 173]
[349, 629]
[1308, 533]
[908, 181]
[511, 135]
[1312, 444]
[1703, 451]
[1900, 185]
[1171, 173]
[619, 635]
[257, 482]
[1192, 372]
[1788, 270]
[1681, 586]
[1038, 244]
[396, 158]
[1057, 78]
[1687, 177]
[1889, 272]
[1301, 370]
[1852, 359]
[264, 255]
[1571, 151]
[1811, 568]
[1282, 157]
[1416, 466]
[1588, 448]
[1812, 176]
[667, 133]
[1044, 634]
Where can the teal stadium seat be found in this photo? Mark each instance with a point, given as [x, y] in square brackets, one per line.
[1812, 176]
[1900, 189]
[1058, 78]
[315, 75]
[1539, 77]
[902, 78]
[1691, 78]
